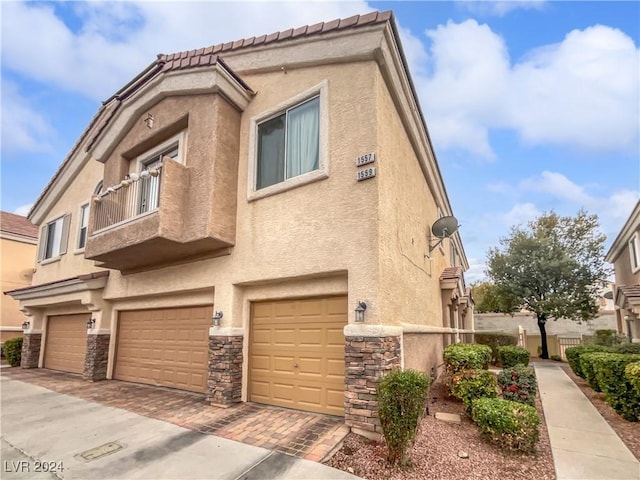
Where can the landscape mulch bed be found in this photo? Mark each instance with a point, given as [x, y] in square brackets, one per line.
[435, 454]
[629, 432]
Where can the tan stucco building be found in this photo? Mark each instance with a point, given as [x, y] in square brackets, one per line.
[624, 254]
[252, 221]
[18, 239]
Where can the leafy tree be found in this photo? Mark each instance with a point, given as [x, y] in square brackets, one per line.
[553, 268]
[488, 298]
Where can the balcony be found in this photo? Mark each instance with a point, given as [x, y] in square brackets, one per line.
[143, 222]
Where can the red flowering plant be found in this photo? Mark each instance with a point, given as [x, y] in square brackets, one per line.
[518, 384]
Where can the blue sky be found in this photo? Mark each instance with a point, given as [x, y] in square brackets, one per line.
[531, 105]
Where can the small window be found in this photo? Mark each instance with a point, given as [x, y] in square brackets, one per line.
[288, 144]
[53, 238]
[82, 226]
[633, 253]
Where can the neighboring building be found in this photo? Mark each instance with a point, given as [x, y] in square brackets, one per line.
[18, 239]
[624, 254]
[213, 231]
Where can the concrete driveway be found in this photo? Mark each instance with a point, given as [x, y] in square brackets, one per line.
[44, 430]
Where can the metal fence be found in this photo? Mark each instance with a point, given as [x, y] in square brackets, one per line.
[136, 195]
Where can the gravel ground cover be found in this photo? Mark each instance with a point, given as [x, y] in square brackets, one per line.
[439, 448]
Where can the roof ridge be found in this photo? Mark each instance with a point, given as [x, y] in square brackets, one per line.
[290, 33]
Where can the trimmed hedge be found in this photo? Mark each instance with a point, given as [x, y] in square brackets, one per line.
[495, 340]
[511, 356]
[632, 348]
[401, 404]
[518, 384]
[632, 372]
[620, 393]
[464, 356]
[587, 365]
[468, 385]
[511, 425]
[573, 356]
[13, 351]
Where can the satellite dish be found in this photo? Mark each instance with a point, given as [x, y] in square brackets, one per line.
[445, 227]
[442, 228]
[608, 295]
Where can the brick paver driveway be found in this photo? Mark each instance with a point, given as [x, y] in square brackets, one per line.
[305, 435]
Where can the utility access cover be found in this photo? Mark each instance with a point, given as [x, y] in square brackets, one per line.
[101, 451]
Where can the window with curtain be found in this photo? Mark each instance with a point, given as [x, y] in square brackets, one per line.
[84, 222]
[288, 144]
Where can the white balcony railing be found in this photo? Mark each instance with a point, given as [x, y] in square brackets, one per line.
[137, 195]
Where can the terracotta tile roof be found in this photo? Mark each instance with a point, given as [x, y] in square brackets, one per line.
[204, 57]
[451, 273]
[18, 225]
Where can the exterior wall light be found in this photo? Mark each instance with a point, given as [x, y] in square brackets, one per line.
[360, 309]
[26, 325]
[217, 316]
[91, 323]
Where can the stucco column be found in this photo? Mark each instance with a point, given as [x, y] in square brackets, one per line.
[456, 320]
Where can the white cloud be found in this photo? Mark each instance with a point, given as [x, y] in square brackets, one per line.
[475, 272]
[558, 186]
[23, 210]
[563, 94]
[502, 7]
[617, 205]
[520, 214]
[24, 129]
[116, 40]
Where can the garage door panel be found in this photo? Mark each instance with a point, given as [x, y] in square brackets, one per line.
[313, 339]
[167, 347]
[283, 365]
[283, 392]
[66, 343]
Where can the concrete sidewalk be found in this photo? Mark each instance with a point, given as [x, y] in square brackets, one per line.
[95, 441]
[583, 444]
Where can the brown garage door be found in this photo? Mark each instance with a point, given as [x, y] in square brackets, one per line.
[296, 354]
[167, 347]
[66, 343]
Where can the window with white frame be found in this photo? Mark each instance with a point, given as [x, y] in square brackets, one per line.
[82, 225]
[149, 185]
[288, 144]
[53, 238]
[634, 253]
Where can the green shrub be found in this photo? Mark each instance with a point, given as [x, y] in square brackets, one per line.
[556, 358]
[13, 351]
[511, 425]
[607, 337]
[511, 356]
[464, 356]
[518, 384]
[495, 340]
[573, 356]
[586, 364]
[468, 385]
[620, 393]
[633, 348]
[401, 404]
[632, 372]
